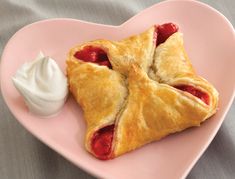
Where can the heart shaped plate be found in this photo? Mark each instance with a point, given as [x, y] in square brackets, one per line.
[210, 42]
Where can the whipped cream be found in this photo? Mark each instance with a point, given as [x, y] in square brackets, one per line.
[43, 85]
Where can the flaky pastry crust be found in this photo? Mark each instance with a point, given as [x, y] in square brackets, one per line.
[138, 94]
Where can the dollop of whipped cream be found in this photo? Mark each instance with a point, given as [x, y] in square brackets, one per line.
[43, 85]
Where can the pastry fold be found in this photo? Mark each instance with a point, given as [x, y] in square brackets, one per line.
[100, 92]
[143, 97]
[153, 110]
[171, 65]
[138, 49]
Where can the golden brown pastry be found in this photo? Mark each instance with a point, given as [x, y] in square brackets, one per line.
[101, 92]
[137, 49]
[172, 66]
[137, 90]
[153, 110]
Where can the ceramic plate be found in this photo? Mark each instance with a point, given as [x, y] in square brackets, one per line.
[209, 41]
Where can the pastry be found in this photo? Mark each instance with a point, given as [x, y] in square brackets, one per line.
[118, 55]
[137, 90]
[172, 66]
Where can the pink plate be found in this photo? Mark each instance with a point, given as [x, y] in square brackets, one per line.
[210, 43]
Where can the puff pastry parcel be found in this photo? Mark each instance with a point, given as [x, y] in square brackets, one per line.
[137, 90]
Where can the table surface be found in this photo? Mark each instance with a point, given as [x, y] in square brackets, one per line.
[37, 161]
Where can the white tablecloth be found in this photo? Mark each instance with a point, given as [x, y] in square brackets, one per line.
[24, 157]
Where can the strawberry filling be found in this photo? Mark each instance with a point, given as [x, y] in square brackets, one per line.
[101, 143]
[94, 55]
[195, 92]
[164, 31]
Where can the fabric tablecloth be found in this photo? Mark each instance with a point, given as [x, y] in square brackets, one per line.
[22, 156]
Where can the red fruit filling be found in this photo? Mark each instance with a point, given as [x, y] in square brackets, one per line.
[102, 142]
[164, 31]
[94, 55]
[195, 92]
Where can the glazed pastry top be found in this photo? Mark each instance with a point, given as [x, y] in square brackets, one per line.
[137, 90]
